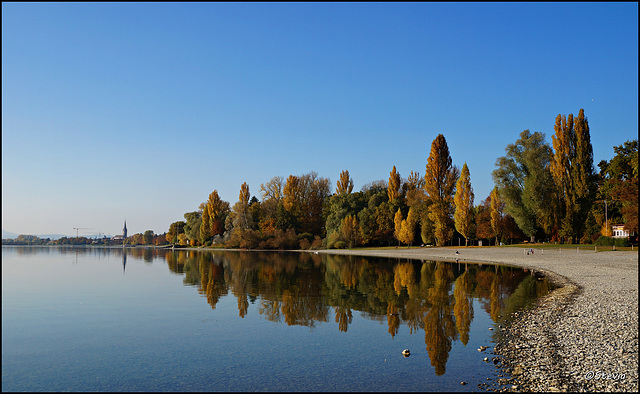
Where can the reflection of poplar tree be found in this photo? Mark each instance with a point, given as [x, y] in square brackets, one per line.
[439, 327]
[415, 312]
[344, 317]
[463, 309]
[393, 319]
[496, 306]
[289, 308]
[404, 276]
[243, 304]
[212, 281]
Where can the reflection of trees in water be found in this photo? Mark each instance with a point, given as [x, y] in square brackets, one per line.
[302, 289]
[176, 261]
[393, 319]
[463, 308]
[439, 326]
[344, 317]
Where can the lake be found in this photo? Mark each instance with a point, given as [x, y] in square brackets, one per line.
[138, 319]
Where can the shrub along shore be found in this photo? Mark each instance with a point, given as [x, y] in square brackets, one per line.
[583, 336]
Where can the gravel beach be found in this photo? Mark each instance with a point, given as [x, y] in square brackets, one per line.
[583, 336]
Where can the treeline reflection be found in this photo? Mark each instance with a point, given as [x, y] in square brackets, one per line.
[306, 288]
[303, 288]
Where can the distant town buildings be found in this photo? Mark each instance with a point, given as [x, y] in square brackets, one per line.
[124, 234]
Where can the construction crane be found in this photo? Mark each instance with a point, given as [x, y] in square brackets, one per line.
[81, 228]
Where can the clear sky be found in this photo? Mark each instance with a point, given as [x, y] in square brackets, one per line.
[137, 111]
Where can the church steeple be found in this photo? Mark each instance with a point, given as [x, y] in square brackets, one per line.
[124, 230]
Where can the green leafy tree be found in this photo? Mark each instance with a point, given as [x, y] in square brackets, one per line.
[497, 214]
[175, 229]
[205, 224]
[148, 237]
[192, 226]
[525, 184]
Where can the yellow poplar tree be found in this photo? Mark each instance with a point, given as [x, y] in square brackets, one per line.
[344, 184]
[393, 190]
[439, 182]
[350, 230]
[408, 228]
[463, 200]
[218, 210]
[397, 221]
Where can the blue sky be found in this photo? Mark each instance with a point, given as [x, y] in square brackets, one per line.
[137, 111]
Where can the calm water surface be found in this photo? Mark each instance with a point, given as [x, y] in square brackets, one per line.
[76, 319]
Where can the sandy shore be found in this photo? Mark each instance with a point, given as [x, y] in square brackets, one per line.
[581, 337]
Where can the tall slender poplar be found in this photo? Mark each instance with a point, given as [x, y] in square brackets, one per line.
[463, 200]
[393, 190]
[205, 225]
[584, 177]
[397, 224]
[439, 183]
[573, 173]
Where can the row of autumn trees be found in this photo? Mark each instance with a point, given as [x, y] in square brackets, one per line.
[541, 192]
